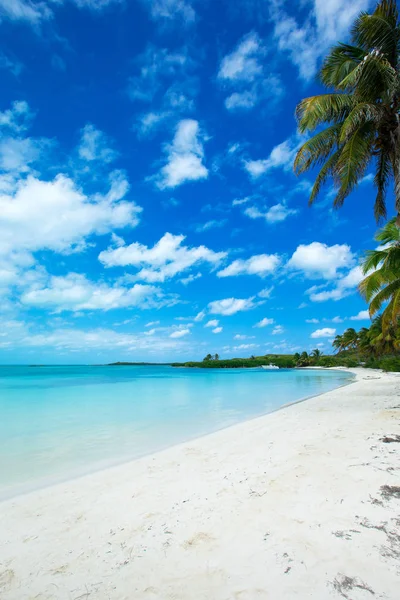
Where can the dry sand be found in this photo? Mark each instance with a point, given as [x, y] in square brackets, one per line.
[301, 503]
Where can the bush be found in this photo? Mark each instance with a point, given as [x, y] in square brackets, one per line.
[390, 363]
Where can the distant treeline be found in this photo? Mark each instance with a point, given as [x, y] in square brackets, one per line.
[137, 364]
[283, 361]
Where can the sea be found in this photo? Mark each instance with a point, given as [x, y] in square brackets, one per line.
[61, 422]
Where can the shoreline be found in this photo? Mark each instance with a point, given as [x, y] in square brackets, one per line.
[106, 465]
[257, 510]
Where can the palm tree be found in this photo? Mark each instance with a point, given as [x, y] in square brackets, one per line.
[360, 113]
[216, 357]
[384, 340]
[338, 343]
[208, 357]
[350, 339]
[382, 286]
[316, 354]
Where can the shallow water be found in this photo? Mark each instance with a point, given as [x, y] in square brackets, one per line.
[60, 422]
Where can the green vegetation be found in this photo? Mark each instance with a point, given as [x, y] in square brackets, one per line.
[360, 113]
[382, 286]
[284, 361]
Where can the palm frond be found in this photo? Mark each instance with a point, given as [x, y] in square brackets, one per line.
[340, 62]
[381, 182]
[326, 170]
[352, 163]
[379, 31]
[317, 149]
[325, 108]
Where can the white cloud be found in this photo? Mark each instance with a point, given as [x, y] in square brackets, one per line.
[363, 315]
[274, 214]
[337, 320]
[190, 278]
[25, 10]
[18, 117]
[278, 330]
[245, 347]
[157, 68]
[239, 201]
[67, 339]
[163, 261]
[11, 64]
[35, 12]
[212, 323]
[260, 264]
[30, 217]
[315, 321]
[217, 330]
[344, 286]
[264, 322]
[213, 224]
[94, 146]
[244, 62]
[318, 260]
[74, 292]
[171, 10]
[327, 23]
[281, 156]
[266, 292]
[231, 306]
[239, 336]
[152, 323]
[179, 333]
[200, 316]
[244, 69]
[322, 333]
[185, 156]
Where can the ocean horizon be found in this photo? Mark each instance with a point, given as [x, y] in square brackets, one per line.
[60, 422]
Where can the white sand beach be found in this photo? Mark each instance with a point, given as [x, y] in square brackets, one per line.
[301, 503]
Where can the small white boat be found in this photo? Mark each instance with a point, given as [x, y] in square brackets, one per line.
[269, 367]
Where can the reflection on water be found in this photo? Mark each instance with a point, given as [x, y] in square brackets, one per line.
[58, 422]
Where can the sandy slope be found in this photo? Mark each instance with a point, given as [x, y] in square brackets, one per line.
[290, 505]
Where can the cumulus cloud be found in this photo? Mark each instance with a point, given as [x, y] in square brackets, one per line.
[94, 145]
[30, 216]
[164, 260]
[275, 214]
[260, 264]
[315, 321]
[212, 323]
[74, 292]
[305, 44]
[168, 11]
[278, 330]
[363, 315]
[323, 333]
[35, 12]
[281, 156]
[244, 63]
[243, 69]
[264, 322]
[239, 336]
[317, 260]
[231, 306]
[217, 330]
[344, 286]
[17, 118]
[185, 157]
[179, 333]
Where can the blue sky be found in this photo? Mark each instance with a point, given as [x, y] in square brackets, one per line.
[148, 206]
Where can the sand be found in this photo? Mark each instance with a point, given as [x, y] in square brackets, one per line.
[289, 505]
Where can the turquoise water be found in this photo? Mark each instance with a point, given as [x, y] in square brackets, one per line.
[60, 422]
